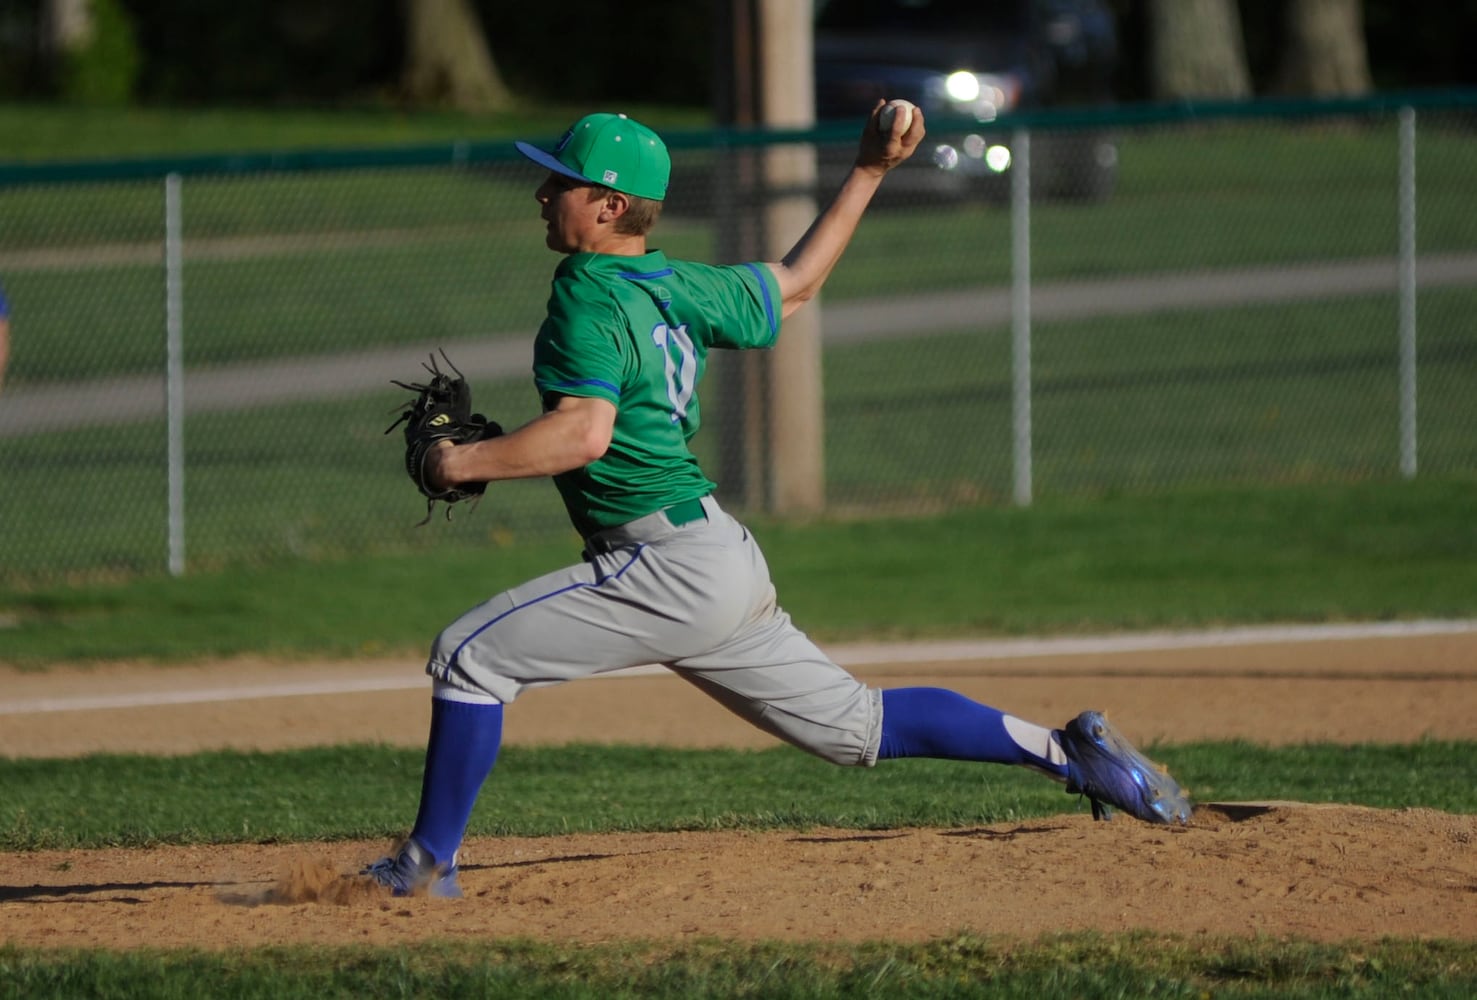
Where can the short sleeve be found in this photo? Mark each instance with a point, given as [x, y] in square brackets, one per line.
[749, 306]
[579, 350]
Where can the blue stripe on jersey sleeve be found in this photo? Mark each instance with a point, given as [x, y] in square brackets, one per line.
[774, 325]
[665, 272]
[584, 383]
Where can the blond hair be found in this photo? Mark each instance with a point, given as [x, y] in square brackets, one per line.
[639, 218]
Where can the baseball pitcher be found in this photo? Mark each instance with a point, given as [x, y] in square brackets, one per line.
[667, 575]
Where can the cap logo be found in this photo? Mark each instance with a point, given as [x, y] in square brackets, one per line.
[564, 141]
[611, 177]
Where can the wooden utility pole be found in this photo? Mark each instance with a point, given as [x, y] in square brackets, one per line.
[772, 404]
[796, 397]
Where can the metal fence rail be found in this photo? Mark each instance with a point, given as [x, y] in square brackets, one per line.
[1268, 292]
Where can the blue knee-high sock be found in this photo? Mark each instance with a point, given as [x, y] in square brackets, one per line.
[934, 722]
[460, 752]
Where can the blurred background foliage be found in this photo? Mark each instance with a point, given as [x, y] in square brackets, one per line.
[352, 52]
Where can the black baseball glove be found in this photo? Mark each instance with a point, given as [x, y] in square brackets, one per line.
[441, 411]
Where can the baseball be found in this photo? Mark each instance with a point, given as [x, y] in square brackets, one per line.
[889, 111]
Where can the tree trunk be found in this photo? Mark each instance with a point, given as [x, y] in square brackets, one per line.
[68, 24]
[1325, 54]
[447, 60]
[1196, 50]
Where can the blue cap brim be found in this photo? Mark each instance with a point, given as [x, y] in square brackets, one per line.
[548, 161]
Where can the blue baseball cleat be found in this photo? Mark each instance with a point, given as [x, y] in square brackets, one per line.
[413, 872]
[1105, 767]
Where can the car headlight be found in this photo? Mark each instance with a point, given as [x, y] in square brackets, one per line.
[962, 87]
[981, 96]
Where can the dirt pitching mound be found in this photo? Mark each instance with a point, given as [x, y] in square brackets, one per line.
[1276, 869]
[1281, 869]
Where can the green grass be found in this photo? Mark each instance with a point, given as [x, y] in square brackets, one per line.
[486, 272]
[1370, 551]
[438, 253]
[1282, 394]
[1086, 966]
[110, 800]
[45, 132]
[1185, 201]
[238, 797]
[1287, 393]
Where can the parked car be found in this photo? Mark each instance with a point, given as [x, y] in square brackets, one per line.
[966, 63]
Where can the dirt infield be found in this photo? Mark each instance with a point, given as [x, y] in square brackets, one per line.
[1322, 872]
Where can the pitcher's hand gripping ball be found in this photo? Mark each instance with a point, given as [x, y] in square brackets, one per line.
[441, 411]
[899, 111]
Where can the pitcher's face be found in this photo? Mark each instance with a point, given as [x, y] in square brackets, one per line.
[571, 212]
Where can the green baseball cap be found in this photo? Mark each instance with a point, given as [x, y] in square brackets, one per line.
[612, 150]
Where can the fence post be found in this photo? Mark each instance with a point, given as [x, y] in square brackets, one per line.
[174, 379]
[1407, 294]
[1020, 312]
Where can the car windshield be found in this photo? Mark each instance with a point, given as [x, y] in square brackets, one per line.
[969, 16]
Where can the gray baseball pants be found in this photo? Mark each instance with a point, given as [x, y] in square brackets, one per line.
[694, 597]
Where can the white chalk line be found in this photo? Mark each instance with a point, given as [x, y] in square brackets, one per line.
[860, 654]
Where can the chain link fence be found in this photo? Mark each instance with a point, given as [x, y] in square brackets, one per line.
[1154, 299]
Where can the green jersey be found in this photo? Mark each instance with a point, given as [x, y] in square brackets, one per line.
[636, 331]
